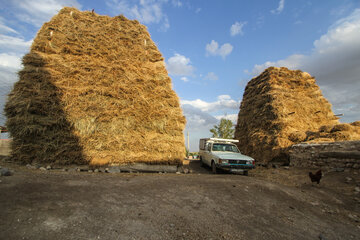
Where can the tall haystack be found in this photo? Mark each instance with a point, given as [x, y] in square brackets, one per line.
[282, 107]
[94, 89]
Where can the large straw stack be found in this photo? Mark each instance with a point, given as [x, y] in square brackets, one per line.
[281, 107]
[94, 89]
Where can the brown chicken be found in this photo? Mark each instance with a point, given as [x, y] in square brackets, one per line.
[315, 177]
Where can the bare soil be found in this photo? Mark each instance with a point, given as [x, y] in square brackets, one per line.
[268, 204]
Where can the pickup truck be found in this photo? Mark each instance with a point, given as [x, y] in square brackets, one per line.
[223, 154]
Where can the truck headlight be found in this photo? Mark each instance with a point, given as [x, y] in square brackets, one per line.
[248, 162]
[223, 161]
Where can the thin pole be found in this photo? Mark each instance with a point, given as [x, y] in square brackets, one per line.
[188, 141]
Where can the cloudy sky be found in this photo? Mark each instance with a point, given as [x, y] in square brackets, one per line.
[213, 48]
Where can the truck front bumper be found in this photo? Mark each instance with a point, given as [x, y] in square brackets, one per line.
[234, 167]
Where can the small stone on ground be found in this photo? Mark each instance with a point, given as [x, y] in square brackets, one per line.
[5, 172]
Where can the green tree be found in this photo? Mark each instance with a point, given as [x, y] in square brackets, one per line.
[224, 129]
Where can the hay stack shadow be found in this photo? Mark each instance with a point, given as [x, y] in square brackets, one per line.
[36, 119]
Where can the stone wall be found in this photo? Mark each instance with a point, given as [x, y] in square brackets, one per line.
[326, 155]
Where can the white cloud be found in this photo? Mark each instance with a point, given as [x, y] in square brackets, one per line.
[232, 117]
[212, 48]
[8, 77]
[165, 25]
[145, 11]
[185, 79]
[179, 65]
[176, 3]
[198, 125]
[225, 50]
[4, 28]
[335, 62]
[292, 62]
[280, 7]
[341, 10]
[236, 28]
[223, 102]
[10, 64]
[196, 118]
[211, 76]
[199, 121]
[12, 49]
[198, 10]
[13, 44]
[37, 12]
[10, 61]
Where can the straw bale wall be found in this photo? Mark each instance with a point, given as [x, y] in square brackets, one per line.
[5, 147]
[94, 89]
[282, 107]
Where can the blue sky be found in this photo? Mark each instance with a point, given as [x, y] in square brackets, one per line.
[213, 48]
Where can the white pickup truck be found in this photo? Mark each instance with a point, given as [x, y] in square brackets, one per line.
[223, 154]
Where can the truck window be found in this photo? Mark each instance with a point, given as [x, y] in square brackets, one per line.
[225, 147]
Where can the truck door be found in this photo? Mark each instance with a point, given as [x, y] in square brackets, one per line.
[208, 154]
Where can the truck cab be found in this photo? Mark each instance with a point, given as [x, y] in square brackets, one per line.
[219, 153]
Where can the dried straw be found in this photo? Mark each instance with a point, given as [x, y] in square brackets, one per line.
[94, 89]
[281, 107]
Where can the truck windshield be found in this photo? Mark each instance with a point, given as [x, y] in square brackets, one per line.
[224, 147]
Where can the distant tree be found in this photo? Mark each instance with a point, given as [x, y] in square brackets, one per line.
[224, 129]
[187, 152]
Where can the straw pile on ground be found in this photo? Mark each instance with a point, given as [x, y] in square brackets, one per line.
[94, 90]
[281, 107]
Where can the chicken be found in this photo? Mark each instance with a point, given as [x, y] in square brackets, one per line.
[315, 177]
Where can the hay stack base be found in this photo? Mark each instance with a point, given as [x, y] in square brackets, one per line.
[282, 107]
[94, 90]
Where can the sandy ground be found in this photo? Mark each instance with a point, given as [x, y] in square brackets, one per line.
[268, 204]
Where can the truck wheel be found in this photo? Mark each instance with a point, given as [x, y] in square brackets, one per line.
[213, 167]
[246, 173]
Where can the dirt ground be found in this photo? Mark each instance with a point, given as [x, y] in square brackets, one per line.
[268, 204]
